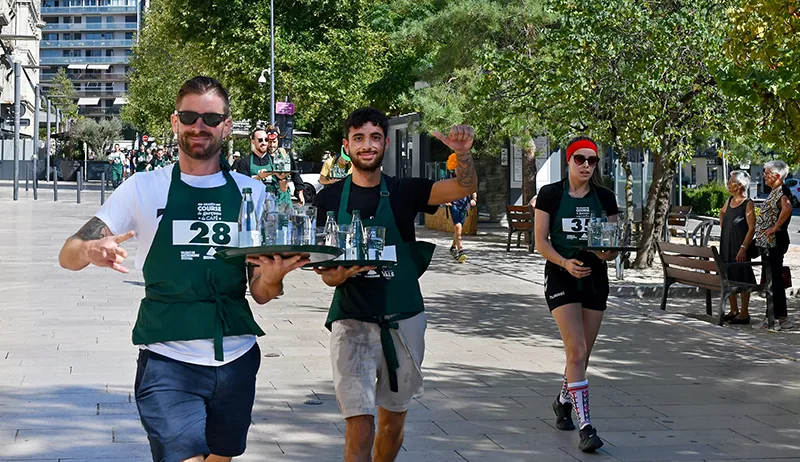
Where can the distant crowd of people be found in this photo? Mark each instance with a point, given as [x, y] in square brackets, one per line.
[126, 162]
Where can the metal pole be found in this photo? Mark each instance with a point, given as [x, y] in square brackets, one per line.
[55, 187]
[35, 178]
[27, 174]
[80, 184]
[272, 63]
[17, 109]
[47, 144]
[36, 108]
[102, 187]
[680, 183]
[58, 120]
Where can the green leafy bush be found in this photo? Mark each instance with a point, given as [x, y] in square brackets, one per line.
[706, 200]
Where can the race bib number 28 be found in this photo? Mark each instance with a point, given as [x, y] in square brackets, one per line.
[208, 233]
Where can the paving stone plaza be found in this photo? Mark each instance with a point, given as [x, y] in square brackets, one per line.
[663, 388]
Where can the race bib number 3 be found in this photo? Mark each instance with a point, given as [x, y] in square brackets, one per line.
[213, 233]
[574, 225]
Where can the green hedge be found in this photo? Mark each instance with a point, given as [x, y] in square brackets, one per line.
[707, 199]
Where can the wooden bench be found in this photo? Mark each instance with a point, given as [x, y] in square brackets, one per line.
[520, 221]
[702, 267]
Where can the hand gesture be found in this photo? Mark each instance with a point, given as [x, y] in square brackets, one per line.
[263, 174]
[274, 268]
[459, 140]
[107, 253]
[576, 268]
[334, 277]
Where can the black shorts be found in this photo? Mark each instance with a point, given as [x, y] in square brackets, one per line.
[562, 288]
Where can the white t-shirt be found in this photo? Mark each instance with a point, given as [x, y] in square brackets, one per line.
[134, 206]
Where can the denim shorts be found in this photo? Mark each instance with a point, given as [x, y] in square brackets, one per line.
[190, 410]
[458, 215]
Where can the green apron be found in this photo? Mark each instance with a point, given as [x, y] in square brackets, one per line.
[116, 167]
[281, 197]
[159, 163]
[383, 300]
[141, 162]
[569, 228]
[189, 294]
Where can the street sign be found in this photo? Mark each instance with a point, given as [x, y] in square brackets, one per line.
[24, 122]
[145, 138]
[284, 108]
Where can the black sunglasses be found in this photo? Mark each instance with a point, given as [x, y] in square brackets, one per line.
[209, 118]
[261, 140]
[580, 159]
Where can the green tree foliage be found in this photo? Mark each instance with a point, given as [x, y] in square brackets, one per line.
[98, 136]
[763, 70]
[64, 94]
[631, 73]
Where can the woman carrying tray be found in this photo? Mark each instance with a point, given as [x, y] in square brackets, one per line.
[576, 281]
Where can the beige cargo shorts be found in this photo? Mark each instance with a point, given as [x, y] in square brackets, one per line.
[360, 373]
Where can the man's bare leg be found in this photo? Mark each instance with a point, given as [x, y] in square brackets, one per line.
[358, 436]
[390, 435]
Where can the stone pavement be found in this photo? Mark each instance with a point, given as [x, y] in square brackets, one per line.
[663, 389]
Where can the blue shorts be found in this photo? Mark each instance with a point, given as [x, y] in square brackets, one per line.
[190, 410]
[458, 215]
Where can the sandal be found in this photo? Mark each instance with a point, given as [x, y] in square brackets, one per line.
[729, 316]
[738, 320]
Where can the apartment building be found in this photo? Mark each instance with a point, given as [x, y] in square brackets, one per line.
[92, 40]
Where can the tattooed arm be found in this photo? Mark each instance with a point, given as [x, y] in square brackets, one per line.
[94, 244]
[465, 183]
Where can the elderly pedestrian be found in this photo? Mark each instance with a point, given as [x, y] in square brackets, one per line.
[738, 221]
[772, 236]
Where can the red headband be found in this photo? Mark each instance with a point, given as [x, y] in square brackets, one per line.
[580, 144]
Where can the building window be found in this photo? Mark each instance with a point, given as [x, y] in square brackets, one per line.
[110, 19]
[94, 53]
[109, 53]
[130, 19]
[51, 36]
[128, 35]
[94, 19]
[67, 20]
[78, 20]
[50, 20]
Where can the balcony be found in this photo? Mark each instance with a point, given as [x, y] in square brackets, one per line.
[101, 93]
[111, 43]
[98, 111]
[63, 60]
[76, 10]
[96, 26]
[94, 77]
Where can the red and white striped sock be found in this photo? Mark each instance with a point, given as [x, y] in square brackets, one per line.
[579, 391]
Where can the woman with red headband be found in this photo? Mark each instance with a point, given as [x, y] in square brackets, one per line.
[576, 281]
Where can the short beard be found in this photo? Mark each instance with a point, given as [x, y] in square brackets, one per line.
[367, 166]
[212, 150]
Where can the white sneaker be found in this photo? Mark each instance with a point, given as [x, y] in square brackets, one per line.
[764, 325]
[785, 325]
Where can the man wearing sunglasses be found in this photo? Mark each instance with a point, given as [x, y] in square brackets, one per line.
[195, 381]
[272, 165]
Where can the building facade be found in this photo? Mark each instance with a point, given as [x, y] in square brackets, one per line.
[92, 40]
[20, 32]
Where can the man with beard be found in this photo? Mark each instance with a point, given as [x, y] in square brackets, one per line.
[195, 381]
[272, 165]
[378, 323]
[141, 160]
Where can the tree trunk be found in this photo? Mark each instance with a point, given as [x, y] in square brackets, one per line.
[657, 208]
[528, 171]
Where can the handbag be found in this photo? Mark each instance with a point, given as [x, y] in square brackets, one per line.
[786, 277]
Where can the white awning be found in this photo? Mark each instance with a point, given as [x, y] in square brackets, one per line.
[120, 101]
[99, 67]
[88, 101]
[77, 66]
